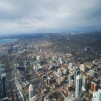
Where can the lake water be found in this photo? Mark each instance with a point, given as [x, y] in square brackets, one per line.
[4, 41]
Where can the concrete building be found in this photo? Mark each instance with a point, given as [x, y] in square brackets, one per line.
[91, 73]
[31, 93]
[78, 86]
[70, 80]
[97, 95]
[82, 68]
[1, 70]
[77, 72]
[3, 80]
[84, 83]
[19, 87]
[93, 86]
[70, 98]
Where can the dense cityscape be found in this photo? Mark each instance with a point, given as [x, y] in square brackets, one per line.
[50, 50]
[51, 67]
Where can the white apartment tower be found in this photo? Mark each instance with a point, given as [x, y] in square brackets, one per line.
[84, 83]
[77, 72]
[31, 94]
[78, 86]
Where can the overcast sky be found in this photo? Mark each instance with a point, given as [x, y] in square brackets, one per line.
[30, 16]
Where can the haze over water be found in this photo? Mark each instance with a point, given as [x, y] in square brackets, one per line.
[4, 41]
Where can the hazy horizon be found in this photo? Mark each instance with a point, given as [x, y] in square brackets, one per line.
[42, 16]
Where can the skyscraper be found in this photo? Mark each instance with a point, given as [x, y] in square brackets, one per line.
[3, 79]
[78, 86]
[77, 72]
[70, 80]
[31, 94]
[84, 83]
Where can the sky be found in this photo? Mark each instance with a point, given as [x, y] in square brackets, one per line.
[48, 16]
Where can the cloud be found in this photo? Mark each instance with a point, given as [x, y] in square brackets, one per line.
[26, 16]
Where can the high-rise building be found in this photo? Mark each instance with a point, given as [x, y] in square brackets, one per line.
[78, 86]
[84, 83]
[70, 80]
[19, 87]
[77, 72]
[82, 68]
[97, 95]
[93, 86]
[3, 79]
[48, 81]
[31, 93]
[1, 70]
